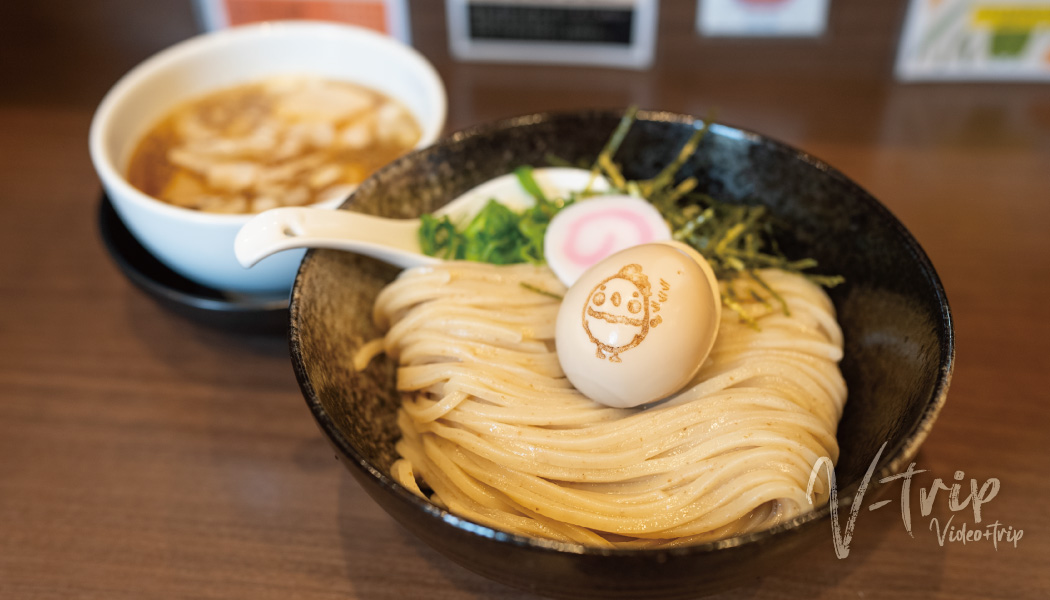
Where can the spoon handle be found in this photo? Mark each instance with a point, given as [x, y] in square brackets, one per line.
[390, 240]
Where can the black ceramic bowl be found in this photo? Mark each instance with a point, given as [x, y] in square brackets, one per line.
[897, 325]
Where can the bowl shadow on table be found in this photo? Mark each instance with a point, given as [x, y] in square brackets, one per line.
[150, 322]
[384, 560]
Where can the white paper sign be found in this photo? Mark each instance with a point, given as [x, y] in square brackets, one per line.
[975, 39]
[762, 18]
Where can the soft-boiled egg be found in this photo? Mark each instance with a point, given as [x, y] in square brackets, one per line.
[636, 327]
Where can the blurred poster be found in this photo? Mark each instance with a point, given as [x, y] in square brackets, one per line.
[385, 16]
[762, 18]
[975, 39]
[610, 33]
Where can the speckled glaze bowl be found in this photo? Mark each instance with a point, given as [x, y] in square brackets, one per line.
[898, 331]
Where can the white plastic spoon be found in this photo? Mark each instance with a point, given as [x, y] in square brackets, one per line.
[391, 240]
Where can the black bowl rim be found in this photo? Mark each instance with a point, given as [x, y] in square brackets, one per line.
[889, 463]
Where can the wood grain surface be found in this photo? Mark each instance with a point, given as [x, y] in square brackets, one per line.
[144, 456]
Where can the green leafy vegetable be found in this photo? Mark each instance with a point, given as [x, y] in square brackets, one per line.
[497, 234]
[528, 182]
[438, 237]
[736, 239]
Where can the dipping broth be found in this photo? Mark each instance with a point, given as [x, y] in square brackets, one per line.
[283, 141]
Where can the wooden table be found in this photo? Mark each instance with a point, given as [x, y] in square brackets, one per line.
[144, 456]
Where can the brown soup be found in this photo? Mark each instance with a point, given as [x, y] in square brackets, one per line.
[285, 141]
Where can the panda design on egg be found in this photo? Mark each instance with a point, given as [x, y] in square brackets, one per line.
[616, 314]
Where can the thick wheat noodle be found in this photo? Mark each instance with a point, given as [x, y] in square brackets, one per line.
[493, 432]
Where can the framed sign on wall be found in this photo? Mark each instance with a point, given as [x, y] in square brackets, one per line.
[762, 18]
[386, 16]
[611, 33]
[975, 40]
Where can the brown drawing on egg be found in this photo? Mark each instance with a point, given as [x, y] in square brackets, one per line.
[618, 307]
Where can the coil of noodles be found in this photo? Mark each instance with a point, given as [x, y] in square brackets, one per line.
[494, 433]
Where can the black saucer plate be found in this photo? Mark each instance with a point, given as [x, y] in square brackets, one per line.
[215, 308]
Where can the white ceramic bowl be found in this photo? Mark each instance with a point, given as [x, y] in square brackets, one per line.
[199, 245]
